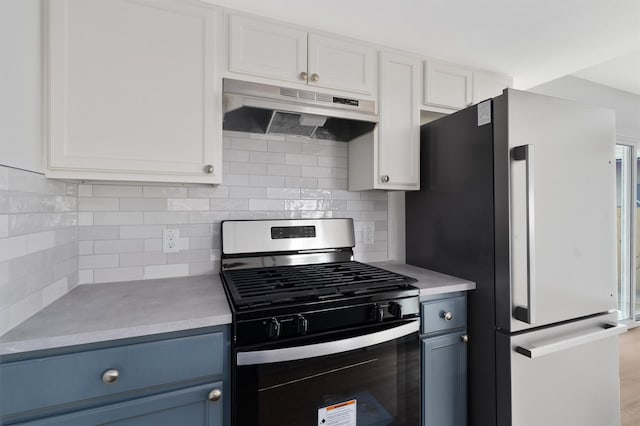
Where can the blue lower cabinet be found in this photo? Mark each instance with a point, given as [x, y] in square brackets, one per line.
[173, 379]
[190, 406]
[444, 360]
[444, 369]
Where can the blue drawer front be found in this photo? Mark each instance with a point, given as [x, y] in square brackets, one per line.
[433, 314]
[50, 381]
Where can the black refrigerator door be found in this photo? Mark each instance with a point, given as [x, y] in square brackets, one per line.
[450, 229]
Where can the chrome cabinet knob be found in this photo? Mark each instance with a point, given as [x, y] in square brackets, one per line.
[303, 76]
[384, 178]
[448, 316]
[315, 77]
[464, 338]
[110, 376]
[208, 168]
[215, 395]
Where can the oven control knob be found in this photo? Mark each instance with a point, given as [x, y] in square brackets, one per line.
[377, 313]
[273, 329]
[395, 309]
[303, 325]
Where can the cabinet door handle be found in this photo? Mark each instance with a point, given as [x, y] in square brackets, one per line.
[303, 76]
[384, 178]
[315, 77]
[110, 376]
[215, 395]
[208, 168]
[464, 338]
[448, 316]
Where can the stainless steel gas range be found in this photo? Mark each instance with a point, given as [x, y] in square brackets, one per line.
[318, 338]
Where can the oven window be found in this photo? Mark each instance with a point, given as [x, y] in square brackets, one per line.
[380, 384]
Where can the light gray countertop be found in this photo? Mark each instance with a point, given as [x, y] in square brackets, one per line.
[429, 282]
[94, 313]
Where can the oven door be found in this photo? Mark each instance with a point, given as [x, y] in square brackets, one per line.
[366, 378]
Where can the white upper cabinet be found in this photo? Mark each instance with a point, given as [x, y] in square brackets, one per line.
[390, 158]
[488, 85]
[446, 85]
[267, 50]
[273, 51]
[133, 93]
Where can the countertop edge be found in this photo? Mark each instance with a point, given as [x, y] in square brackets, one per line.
[10, 348]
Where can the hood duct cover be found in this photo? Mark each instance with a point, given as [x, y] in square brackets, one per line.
[260, 108]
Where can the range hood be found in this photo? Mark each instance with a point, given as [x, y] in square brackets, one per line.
[261, 108]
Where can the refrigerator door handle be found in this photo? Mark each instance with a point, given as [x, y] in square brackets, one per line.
[522, 313]
[538, 350]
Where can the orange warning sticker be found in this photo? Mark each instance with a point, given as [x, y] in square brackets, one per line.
[341, 414]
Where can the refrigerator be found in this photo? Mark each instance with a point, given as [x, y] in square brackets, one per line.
[518, 195]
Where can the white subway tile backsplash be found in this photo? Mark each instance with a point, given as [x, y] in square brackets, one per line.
[209, 191]
[90, 204]
[142, 204]
[92, 233]
[117, 191]
[285, 147]
[164, 192]
[118, 246]
[85, 218]
[118, 274]
[153, 218]
[4, 225]
[265, 157]
[85, 276]
[266, 204]
[188, 204]
[106, 232]
[85, 190]
[284, 193]
[85, 247]
[272, 181]
[142, 259]
[139, 231]
[98, 261]
[166, 271]
[13, 247]
[119, 218]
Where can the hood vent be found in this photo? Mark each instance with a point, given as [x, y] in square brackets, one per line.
[266, 109]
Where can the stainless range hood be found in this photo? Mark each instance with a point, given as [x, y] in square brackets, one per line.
[261, 108]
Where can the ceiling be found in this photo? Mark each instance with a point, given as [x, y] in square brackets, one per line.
[534, 41]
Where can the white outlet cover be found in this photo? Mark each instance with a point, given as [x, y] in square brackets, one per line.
[170, 240]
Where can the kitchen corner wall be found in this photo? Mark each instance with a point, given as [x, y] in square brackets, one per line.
[120, 226]
[38, 243]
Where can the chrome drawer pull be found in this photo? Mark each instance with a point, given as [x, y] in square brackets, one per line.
[215, 395]
[448, 316]
[110, 376]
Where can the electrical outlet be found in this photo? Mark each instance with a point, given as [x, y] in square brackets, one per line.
[368, 231]
[170, 240]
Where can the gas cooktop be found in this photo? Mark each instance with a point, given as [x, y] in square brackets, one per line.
[309, 282]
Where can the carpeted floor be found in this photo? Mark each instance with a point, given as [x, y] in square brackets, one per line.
[630, 377]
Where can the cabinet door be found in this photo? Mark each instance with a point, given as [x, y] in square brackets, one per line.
[446, 85]
[398, 153]
[488, 85]
[190, 406]
[444, 379]
[339, 64]
[133, 93]
[267, 50]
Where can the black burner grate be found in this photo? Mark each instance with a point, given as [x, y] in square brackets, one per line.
[281, 284]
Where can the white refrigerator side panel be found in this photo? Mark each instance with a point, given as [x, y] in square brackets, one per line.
[578, 385]
[571, 216]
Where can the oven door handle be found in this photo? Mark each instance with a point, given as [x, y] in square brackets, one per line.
[326, 348]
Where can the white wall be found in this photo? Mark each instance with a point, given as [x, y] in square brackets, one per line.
[625, 104]
[21, 84]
